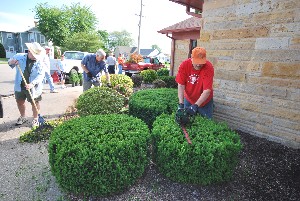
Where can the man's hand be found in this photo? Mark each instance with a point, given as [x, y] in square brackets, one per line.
[89, 74]
[192, 110]
[108, 85]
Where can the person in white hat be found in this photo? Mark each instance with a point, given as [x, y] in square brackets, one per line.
[34, 71]
[47, 71]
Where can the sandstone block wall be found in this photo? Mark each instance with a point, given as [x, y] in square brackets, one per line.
[255, 48]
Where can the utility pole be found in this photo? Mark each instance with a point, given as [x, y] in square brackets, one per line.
[140, 24]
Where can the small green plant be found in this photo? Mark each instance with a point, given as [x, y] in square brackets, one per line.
[149, 76]
[99, 100]
[211, 158]
[74, 78]
[163, 72]
[121, 83]
[99, 155]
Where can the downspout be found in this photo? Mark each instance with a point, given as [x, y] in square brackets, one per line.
[172, 54]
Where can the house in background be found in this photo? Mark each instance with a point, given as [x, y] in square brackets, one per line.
[184, 37]
[14, 42]
[255, 49]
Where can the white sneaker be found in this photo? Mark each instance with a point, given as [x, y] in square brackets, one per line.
[35, 123]
[63, 87]
[21, 120]
[54, 91]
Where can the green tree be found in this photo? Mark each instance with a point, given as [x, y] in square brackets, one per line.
[103, 35]
[83, 41]
[156, 47]
[58, 24]
[119, 38]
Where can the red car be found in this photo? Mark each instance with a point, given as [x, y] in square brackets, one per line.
[148, 63]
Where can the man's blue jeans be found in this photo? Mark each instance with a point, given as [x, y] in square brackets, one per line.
[205, 111]
[120, 69]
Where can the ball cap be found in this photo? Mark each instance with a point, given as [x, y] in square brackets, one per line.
[199, 55]
[36, 49]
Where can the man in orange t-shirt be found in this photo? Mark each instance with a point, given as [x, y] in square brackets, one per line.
[195, 84]
[121, 61]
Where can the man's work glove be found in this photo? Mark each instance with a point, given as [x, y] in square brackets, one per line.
[89, 74]
[180, 106]
[192, 110]
[108, 85]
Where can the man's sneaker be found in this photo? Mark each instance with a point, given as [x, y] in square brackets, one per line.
[54, 91]
[35, 123]
[21, 120]
[63, 86]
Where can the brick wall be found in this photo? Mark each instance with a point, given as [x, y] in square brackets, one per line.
[255, 48]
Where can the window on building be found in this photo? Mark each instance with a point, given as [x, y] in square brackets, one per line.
[31, 37]
[11, 49]
[9, 35]
[42, 39]
[193, 44]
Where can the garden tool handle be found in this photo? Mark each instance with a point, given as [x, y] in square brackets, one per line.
[186, 134]
[20, 70]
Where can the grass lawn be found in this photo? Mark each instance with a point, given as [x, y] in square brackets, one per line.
[3, 61]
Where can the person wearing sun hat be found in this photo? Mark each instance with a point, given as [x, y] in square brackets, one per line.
[33, 70]
[195, 84]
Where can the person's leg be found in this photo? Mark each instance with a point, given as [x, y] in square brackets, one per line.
[34, 111]
[186, 103]
[86, 85]
[207, 110]
[120, 69]
[50, 80]
[20, 100]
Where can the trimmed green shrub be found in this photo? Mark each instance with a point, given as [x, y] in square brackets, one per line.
[74, 78]
[170, 81]
[99, 154]
[158, 83]
[149, 103]
[121, 83]
[2, 51]
[99, 100]
[137, 80]
[149, 76]
[163, 72]
[211, 158]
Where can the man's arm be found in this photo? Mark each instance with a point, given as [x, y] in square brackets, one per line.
[107, 77]
[203, 97]
[84, 68]
[181, 93]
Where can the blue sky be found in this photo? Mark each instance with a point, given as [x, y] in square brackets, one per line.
[113, 15]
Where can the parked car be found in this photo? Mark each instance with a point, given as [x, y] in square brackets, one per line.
[148, 63]
[73, 61]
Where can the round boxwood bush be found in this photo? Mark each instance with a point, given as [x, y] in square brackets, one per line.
[121, 83]
[211, 158]
[99, 155]
[149, 76]
[99, 100]
[147, 104]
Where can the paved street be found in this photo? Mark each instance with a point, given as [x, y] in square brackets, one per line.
[52, 105]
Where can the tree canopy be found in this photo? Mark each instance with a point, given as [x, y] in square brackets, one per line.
[119, 38]
[58, 24]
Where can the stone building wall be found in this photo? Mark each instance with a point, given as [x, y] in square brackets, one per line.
[255, 48]
[181, 53]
